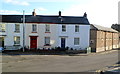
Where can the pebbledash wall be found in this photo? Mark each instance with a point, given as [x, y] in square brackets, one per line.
[56, 35]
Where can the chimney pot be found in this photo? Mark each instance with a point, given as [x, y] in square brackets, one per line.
[85, 15]
[59, 13]
[34, 13]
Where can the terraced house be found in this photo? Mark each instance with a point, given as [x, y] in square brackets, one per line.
[45, 31]
[11, 35]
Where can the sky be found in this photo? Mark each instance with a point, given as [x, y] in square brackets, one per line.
[100, 12]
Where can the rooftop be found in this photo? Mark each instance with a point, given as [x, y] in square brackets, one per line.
[55, 19]
[98, 27]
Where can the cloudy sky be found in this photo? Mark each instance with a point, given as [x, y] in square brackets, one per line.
[100, 12]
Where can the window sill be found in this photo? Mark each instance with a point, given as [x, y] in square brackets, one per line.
[47, 32]
[16, 44]
[63, 31]
[76, 45]
[34, 32]
[77, 32]
[47, 45]
[2, 31]
[17, 31]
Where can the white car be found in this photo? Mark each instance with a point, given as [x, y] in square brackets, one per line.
[1, 49]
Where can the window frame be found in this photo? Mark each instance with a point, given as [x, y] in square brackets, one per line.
[47, 43]
[77, 43]
[15, 40]
[17, 29]
[2, 27]
[77, 28]
[63, 28]
[47, 28]
[34, 28]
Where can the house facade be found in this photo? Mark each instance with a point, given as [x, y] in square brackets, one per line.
[102, 38]
[11, 35]
[43, 31]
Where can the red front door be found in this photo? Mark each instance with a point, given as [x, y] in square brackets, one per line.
[33, 42]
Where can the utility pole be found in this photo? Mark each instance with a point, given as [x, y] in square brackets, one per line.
[23, 31]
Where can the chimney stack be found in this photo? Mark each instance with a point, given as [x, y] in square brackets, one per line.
[59, 13]
[34, 13]
[85, 15]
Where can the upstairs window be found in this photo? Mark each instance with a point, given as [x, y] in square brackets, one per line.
[63, 28]
[2, 27]
[76, 28]
[17, 27]
[16, 40]
[47, 28]
[34, 28]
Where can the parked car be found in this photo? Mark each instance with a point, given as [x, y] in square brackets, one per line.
[1, 49]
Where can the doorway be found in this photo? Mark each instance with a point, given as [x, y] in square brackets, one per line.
[63, 41]
[33, 42]
[1, 41]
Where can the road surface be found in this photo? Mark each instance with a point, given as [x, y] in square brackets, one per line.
[59, 63]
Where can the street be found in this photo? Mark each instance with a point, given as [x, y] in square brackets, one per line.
[59, 63]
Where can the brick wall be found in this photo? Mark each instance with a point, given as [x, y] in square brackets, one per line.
[115, 40]
[108, 41]
[93, 36]
[100, 41]
[103, 40]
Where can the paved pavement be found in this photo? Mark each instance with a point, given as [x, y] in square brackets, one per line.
[59, 63]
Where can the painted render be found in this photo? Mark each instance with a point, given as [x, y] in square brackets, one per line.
[37, 39]
[56, 34]
[10, 33]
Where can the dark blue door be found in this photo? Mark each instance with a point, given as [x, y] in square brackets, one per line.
[63, 42]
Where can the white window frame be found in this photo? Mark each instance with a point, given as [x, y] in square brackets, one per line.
[47, 28]
[16, 40]
[75, 41]
[47, 41]
[76, 28]
[34, 28]
[17, 27]
[63, 28]
[2, 27]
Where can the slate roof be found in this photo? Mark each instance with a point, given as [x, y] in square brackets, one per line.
[45, 19]
[98, 27]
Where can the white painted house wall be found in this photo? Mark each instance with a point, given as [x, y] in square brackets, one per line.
[70, 34]
[9, 32]
[55, 35]
[41, 35]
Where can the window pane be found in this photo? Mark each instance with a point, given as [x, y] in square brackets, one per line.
[16, 40]
[47, 40]
[2, 27]
[17, 28]
[76, 41]
[47, 28]
[76, 28]
[63, 28]
[34, 28]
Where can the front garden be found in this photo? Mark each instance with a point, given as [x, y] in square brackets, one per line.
[48, 51]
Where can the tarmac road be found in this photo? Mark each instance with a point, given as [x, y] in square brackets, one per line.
[59, 63]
